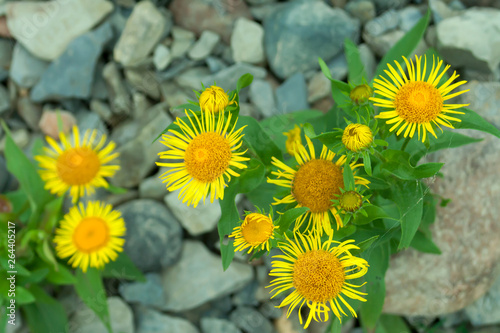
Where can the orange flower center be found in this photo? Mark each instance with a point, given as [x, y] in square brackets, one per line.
[418, 102]
[91, 234]
[207, 157]
[256, 229]
[78, 166]
[316, 183]
[318, 275]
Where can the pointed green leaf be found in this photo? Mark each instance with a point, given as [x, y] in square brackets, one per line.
[374, 213]
[354, 63]
[251, 177]
[46, 314]
[348, 177]
[287, 218]
[116, 190]
[228, 221]
[257, 140]
[424, 244]
[123, 268]
[244, 81]
[472, 120]
[408, 196]
[62, 275]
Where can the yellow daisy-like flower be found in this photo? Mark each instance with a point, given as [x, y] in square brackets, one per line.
[91, 236]
[293, 138]
[317, 272]
[361, 93]
[214, 99]
[256, 230]
[357, 137]
[416, 102]
[314, 185]
[79, 167]
[202, 155]
[350, 201]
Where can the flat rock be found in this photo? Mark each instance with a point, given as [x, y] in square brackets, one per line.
[144, 29]
[30, 112]
[186, 288]
[119, 96]
[197, 220]
[153, 187]
[318, 87]
[162, 57]
[72, 74]
[408, 17]
[251, 320]
[47, 28]
[4, 100]
[216, 16]
[430, 285]
[144, 80]
[292, 94]
[363, 10]
[6, 49]
[383, 23]
[183, 39]
[151, 321]
[149, 293]
[216, 325]
[262, 96]
[204, 46]
[247, 42]
[303, 31]
[228, 77]
[154, 236]
[458, 42]
[26, 69]
[486, 310]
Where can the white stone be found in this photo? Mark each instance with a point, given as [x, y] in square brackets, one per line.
[204, 46]
[162, 57]
[144, 29]
[247, 41]
[183, 39]
[46, 28]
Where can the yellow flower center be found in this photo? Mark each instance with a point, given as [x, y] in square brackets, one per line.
[361, 93]
[78, 166]
[418, 102]
[214, 99]
[316, 183]
[207, 156]
[350, 201]
[318, 275]
[256, 229]
[91, 234]
[356, 137]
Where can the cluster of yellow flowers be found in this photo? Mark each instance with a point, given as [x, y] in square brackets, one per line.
[90, 235]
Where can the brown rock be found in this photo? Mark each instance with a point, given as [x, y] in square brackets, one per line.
[217, 16]
[48, 123]
[466, 230]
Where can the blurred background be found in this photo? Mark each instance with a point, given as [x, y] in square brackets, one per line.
[121, 66]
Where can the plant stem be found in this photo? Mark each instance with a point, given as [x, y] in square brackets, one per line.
[403, 147]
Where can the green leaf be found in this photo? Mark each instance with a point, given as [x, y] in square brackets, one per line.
[392, 323]
[123, 268]
[405, 46]
[46, 314]
[374, 213]
[44, 250]
[91, 291]
[23, 296]
[228, 221]
[472, 120]
[348, 177]
[364, 245]
[378, 259]
[244, 81]
[257, 140]
[424, 244]
[287, 218]
[398, 164]
[51, 215]
[116, 190]
[36, 276]
[251, 177]
[61, 276]
[354, 63]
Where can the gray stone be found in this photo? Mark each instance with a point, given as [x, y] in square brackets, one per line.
[458, 42]
[382, 44]
[20, 137]
[262, 12]
[174, 96]
[251, 320]
[247, 109]
[383, 23]
[153, 187]
[139, 153]
[486, 310]
[247, 42]
[215, 64]
[186, 288]
[145, 81]
[384, 5]
[99, 89]
[192, 77]
[141, 105]
[87, 120]
[84, 320]
[319, 86]
[151, 321]
[262, 96]
[183, 39]
[270, 310]
[26, 69]
[303, 31]
[408, 17]
[162, 57]
[4, 99]
[6, 49]
[154, 237]
[149, 293]
[204, 46]
[72, 74]
[228, 77]
[144, 29]
[440, 10]
[215, 325]
[246, 296]
[30, 112]
[177, 67]
[103, 110]
[47, 28]
[291, 95]
[118, 93]
[338, 67]
[368, 59]
[363, 10]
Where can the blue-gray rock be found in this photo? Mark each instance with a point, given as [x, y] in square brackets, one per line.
[87, 120]
[72, 74]
[154, 237]
[4, 100]
[292, 94]
[303, 31]
[251, 320]
[383, 23]
[486, 310]
[228, 77]
[262, 96]
[30, 112]
[246, 296]
[383, 5]
[215, 64]
[219, 308]
[270, 309]
[408, 17]
[6, 48]
[151, 321]
[364, 10]
[149, 293]
[26, 69]
[215, 325]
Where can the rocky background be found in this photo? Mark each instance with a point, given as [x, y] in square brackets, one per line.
[120, 66]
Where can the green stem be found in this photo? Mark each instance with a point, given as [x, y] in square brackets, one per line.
[407, 139]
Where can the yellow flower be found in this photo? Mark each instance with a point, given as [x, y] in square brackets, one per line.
[214, 99]
[350, 201]
[293, 138]
[91, 236]
[357, 137]
[256, 230]
[201, 156]
[314, 185]
[416, 102]
[79, 167]
[361, 93]
[317, 272]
